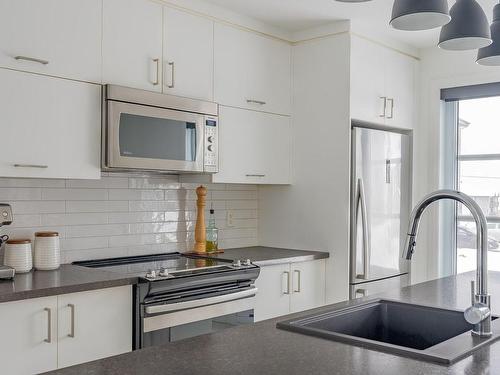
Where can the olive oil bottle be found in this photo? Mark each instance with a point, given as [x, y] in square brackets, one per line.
[212, 233]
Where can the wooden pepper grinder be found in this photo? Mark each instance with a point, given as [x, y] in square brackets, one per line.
[200, 235]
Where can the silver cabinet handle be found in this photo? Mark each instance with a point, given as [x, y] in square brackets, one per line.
[384, 98]
[172, 74]
[255, 175]
[157, 80]
[49, 325]
[32, 59]
[287, 275]
[253, 101]
[362, 292]
[31, 166]
[364, 219]
[298, 281]
[72, 311]
[391, 106]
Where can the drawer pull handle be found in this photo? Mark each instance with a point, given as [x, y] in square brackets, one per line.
[49, 325]
[255, 175]
[72, 310]
[32, 59]
[31, 166]
[253, 101]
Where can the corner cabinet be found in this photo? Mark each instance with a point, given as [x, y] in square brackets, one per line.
[51, 127]
[44, 334]
[382, 84]
[288, 288]
[256, 147]
[251, 71]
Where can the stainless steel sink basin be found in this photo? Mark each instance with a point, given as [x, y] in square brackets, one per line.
[421, 332]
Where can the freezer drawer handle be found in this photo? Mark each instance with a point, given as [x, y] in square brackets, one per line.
[201, 302]
[364, 219]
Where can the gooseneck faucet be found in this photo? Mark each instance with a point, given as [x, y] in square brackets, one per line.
[479, 313]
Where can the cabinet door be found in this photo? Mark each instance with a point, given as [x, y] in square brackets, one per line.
[400, 89]
[55, 37]
[308, 285]
[51, 127]
[132, 43]
[188, 55]
[27, 345]
[254, 147]
[273, 296]
[367, 80]
[251, 71]
[94, 324]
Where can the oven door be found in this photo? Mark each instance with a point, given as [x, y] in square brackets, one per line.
[151, 138]
[164, 323]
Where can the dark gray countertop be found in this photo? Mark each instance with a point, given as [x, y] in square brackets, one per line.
[263, 349]
[67, 279]
[265, 256]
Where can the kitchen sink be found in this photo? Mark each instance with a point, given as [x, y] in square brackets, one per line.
[421, 332]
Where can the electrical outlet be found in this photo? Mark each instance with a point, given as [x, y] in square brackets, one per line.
[230, 219]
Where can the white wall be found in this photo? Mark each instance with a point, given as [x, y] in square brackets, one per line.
[313, 213]
[438, 69]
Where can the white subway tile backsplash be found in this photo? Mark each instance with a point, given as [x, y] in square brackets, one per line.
[74, 194]
[126, 214]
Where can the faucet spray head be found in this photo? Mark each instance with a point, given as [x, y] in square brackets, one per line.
[410, 245]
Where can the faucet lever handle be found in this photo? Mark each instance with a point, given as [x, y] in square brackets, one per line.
[472, 292]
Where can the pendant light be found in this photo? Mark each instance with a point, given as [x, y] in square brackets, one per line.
[415, 15]
[490, 55]
[468, 28]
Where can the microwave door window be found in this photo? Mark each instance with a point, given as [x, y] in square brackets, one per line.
[157, 138]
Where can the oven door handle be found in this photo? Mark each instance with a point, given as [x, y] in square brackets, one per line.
[201, 302]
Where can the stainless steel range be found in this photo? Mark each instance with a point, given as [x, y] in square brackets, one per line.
[180, 296]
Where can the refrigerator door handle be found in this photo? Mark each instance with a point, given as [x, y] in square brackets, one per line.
[361, 201]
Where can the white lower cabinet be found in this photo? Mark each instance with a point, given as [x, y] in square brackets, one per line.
[94, 325]
[288, 288]
[29, 336]
[44, 334]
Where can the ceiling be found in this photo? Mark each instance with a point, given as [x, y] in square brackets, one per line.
[296, 15]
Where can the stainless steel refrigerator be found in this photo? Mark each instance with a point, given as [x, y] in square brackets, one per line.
[380, 206]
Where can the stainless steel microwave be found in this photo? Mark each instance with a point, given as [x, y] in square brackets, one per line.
[143, 130]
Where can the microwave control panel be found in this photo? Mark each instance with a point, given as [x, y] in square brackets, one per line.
[211, 141]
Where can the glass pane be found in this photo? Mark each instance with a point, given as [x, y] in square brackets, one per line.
[481, 180]
[157, 138]
[466, 246]
[479, 126]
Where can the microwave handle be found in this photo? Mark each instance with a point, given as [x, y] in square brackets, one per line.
[201, 302]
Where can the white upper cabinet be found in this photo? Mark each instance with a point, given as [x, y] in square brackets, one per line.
[382, 84]
[54, 37]
[51, 126]
[256, 147]
[188, 55]
[251, 71]
[132, 44]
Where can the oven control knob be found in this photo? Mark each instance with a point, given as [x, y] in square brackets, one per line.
[247, 262]
[163, 272]
[210, 148]
[210, 139]
[237, 263]
[151, 274]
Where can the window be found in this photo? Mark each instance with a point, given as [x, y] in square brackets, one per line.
[477, 164]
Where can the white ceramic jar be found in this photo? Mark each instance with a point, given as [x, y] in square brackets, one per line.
[47, 252]
[18, 255]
